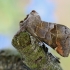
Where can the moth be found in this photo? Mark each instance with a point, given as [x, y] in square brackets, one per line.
[57, 36]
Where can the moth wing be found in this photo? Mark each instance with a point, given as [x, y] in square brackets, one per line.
[63, 40]
[41, 32]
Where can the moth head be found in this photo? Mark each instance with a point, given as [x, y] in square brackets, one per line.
[35, 15]
[33, 12]
[32, 18]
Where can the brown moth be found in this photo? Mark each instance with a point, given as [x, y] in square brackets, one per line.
[57, 36]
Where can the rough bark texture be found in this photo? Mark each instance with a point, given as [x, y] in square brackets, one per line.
[11, 62]
[33, 54]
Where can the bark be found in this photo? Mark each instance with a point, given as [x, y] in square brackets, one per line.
[34, 56]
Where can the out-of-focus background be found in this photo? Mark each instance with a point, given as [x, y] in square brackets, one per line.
[12, 11]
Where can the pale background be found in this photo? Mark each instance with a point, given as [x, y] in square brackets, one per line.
[12, 11]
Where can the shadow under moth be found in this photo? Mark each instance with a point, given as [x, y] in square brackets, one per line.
[57, 36]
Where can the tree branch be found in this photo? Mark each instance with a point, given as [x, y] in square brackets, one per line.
[33, 54]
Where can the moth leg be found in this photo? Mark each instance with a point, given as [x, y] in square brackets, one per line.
[44, 48]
